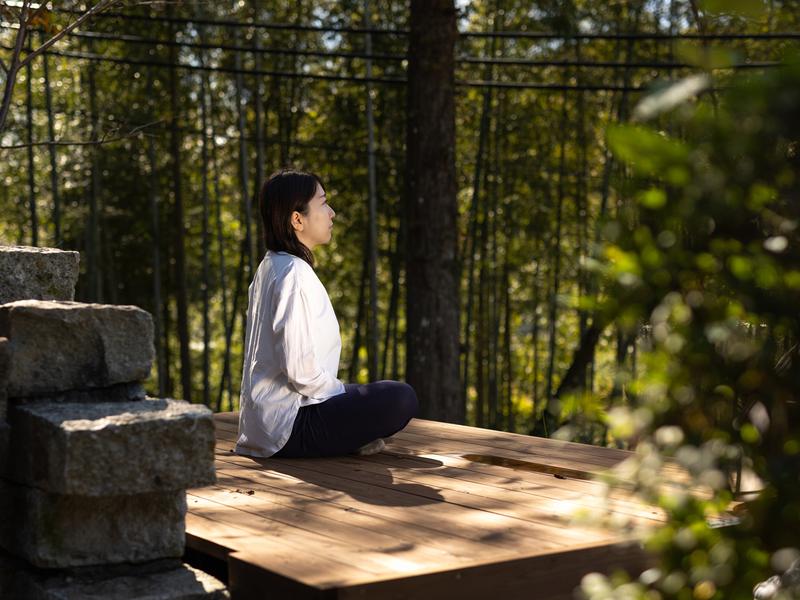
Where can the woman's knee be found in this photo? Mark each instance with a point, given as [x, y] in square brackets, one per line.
[408, 404]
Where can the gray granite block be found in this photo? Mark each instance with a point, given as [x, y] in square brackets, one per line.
[60, 346]
[37, 273]
[178, 583]
[59, 531]
[112, 448]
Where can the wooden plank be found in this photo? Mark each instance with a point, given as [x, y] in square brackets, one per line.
[553, 576]
[299, 564]
[422, 520]
[543, 524]
[289, 555]
[588, 494]
[412, 450]
[323, 502]
[551, 514]
[271, 533]
[326, 519]
[417, 509]
[571, 459]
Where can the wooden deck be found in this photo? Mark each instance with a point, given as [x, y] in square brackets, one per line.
[446, 511]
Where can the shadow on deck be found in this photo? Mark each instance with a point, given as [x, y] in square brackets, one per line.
[446, 511]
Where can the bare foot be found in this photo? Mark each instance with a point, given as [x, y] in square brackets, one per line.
[371, 448]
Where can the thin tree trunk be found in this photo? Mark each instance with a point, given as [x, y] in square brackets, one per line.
[51, 149]
[509, 364]
[169, 386]
[585, 355]
[179, 228]
[494, 302]
[13, 65]
[229, 326]
[205, 236]
[223, 286]
[259, 125]
[372, 343]
[156, 243]
[362, 298]
[550, 416]
[93, 246]
[480, 350]
[468, 250]
[243, 170]
[535, 344]
[31, 162]
[391, 319]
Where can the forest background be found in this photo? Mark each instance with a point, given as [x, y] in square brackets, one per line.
[583, 276]
[166, 119]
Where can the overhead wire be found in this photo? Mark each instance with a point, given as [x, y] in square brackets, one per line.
[467, 34]
[326, 77]
[505, 61]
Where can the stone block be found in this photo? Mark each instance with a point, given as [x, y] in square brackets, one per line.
[37, 273]
[60, 346]
[60, 531]
[112, 448]
[178, 583]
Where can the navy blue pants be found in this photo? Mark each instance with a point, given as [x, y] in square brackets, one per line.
[344, 423]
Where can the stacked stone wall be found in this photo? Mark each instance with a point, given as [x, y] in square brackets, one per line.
[92, 472]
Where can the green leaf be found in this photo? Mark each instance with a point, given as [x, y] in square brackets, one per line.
[653, 198]
[649, 152]
[742, 8]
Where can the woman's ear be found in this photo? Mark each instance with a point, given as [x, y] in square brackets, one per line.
[297, 221]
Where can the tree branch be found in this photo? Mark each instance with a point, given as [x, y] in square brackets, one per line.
[103, 140]
[15, 65]
[99, 7]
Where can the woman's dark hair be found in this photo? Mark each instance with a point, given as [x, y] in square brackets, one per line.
[283, 193]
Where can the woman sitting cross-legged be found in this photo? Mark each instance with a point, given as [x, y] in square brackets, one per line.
[292, 404]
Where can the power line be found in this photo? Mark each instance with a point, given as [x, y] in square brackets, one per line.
[353, 79]
[126, 38]
[524, 34]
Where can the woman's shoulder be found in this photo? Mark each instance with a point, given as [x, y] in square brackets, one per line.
[289, 267]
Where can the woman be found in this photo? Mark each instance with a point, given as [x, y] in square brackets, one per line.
[292, 404]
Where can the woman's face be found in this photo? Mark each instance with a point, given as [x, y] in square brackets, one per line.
[314, 227]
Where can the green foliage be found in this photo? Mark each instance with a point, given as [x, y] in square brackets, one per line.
[712, 263]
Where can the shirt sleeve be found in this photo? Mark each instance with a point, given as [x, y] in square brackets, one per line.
[292, 326]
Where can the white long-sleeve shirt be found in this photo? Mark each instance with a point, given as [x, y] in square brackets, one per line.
[292, 348]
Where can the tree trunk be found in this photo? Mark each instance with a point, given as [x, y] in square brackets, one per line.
[51, 149]
[205, 235]
[432, 354]
[223, 285]
[93, 243]
[550, 416]
[362, 298]
[243, 169]
[156, 243]
[508, 356]
[259, 108]
[394, 297]
[179, 228]
[372, 340]
[468, 251]
[31, 162]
